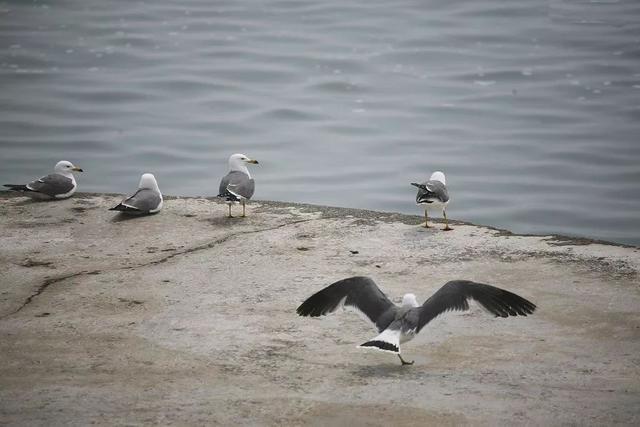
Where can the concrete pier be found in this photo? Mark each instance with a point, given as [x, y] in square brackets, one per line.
[188, 318]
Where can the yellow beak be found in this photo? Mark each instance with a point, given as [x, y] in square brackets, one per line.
[255, 162]
[77, 169]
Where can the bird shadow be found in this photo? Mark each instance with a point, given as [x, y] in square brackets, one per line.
[384, 371]
[225, 220]
[29, 201]
[120, 217]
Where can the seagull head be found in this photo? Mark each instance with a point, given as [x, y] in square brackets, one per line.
[409, 300]
[239, 161]
[148, 182]
[438, 176]
[65, 167]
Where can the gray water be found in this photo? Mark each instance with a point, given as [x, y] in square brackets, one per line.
[530, 107]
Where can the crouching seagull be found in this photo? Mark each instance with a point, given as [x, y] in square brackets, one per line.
[398, 324]
[147, 200]
[433, 194]
[61, 184]
[237, 186]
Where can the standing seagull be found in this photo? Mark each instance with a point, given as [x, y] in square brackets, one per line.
[58, 185]
[237, 186]
[398, 324]
[433, 194]
[147, 200]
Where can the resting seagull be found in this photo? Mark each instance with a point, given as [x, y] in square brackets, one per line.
[147, 200]
[398, 324]
[433, 194]
[58, 185]
[237, 186]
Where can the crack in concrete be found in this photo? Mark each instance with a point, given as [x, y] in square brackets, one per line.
[205, 246]
[209, 245]
[212, 244]
[41, 289]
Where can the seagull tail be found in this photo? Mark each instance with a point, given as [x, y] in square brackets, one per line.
[388, 340]
[229, 197]
[17, 187]
[426, 199]
[124, 208]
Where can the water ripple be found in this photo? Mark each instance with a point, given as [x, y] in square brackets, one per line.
[530, 108]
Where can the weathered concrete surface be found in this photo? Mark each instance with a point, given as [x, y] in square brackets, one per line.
[187, 317]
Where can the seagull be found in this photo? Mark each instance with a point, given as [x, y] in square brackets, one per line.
[147, 200]
[433, 194]
[58, 185]
[398, 324]
[237, 186]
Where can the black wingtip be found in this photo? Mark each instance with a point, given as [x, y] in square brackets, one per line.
[123, 208]
[381, 345]
[305, 309]
[504, 304]
[16, 187]
[319, 304]
[311, 308]
[301, 310]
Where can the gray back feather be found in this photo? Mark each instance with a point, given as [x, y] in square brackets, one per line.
[409, 318]
[144, 200]
[238, 183]
[52, 185]
[432, 190]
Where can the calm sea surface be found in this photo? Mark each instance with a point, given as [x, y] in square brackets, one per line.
[531, 108]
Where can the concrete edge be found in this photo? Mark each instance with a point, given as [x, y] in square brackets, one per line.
[370, 215]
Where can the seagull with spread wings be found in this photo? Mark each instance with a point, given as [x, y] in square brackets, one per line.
[398, 324]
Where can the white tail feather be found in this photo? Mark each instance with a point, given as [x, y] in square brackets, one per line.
[388, 340]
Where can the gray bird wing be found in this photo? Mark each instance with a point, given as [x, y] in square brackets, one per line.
[455, 295]
[235, 185]
[431, 191]
[51, 185]
[358, 292]
[144, 200]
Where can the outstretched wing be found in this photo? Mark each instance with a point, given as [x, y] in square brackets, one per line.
[455, 295]
[431, 191]
[358, 292]
[236, 185]
[51, 185]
